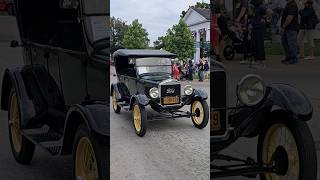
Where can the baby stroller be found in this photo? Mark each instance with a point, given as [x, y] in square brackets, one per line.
[235, 39]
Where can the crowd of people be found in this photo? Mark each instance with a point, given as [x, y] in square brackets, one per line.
[298, 23]
[187, 70]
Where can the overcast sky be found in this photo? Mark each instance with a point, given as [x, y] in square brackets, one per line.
[155, 15]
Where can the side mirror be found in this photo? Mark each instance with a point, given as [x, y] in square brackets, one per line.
[14, 44]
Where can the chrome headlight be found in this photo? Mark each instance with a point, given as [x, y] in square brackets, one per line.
[251, 90]
[188, 90]
[154, 92]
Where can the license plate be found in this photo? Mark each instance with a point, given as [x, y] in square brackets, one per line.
[215, 124]
[171, 100]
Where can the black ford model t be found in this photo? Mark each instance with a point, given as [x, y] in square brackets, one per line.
[57, 99]
[144, 78]
[276, 113]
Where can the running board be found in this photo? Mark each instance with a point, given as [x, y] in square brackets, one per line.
[45, 138]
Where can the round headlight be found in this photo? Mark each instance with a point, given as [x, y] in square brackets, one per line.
[251, 90]
[188, 90]
[154, 92]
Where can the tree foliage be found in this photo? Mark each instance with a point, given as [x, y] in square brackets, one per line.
[118, 28]
[178, 40]
[135, 36]
[201, 5]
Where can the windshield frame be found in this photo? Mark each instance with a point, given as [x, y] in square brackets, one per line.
[167, 64]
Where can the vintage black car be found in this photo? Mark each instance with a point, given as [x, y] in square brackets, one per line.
[57, 98]
[144, 78]
[276, 113]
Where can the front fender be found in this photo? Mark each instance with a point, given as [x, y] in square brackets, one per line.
[94, 116]
[197, 94]
[290, 99]
[141, 98]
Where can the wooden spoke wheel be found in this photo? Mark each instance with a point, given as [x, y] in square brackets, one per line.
[139, 119]
[89, 156]
[200, 113]
[22, 148]
[288, 146]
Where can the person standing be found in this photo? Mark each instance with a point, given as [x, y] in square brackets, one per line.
[201, 70]
[290, 28]
[258, 30]
[308, 22]
[206, 69]
[190, 70]
[175, 71]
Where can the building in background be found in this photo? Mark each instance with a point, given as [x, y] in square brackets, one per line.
[198, 21]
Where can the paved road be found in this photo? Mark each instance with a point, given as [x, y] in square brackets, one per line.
[171, 149]
[43, 166]
[304, 76]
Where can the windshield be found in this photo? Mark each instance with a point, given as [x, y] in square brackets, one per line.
[153, 65]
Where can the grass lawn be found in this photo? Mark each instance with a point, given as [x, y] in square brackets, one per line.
[277, 49]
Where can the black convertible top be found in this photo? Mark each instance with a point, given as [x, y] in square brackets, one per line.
[136, 53]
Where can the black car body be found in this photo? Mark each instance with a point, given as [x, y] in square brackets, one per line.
[276, 114]
[144, 78]
[60, 90]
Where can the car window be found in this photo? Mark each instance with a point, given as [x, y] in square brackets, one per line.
[153, 65]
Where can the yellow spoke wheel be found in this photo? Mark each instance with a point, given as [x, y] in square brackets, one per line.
[14, 123]
[279, 136]
[137, 117]
[198, 110]
[22, 149]
[200, 113]
[86, 162]
[115, 106]
[114, 100]
[287, 146]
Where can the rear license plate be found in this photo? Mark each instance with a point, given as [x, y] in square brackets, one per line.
[215, 124]
[171, 100]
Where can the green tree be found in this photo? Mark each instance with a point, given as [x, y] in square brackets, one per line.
[135, 37]
[201, 5]
[158, 44]
[179, 40]
[118, 28]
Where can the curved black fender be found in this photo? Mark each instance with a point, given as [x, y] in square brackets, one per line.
[141, 98]
[291, 100]
[197, 94]
[12, 78]
[121, 89]
[94, 116]
[280, 97]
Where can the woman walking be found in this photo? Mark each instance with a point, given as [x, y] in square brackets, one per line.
[308, 22]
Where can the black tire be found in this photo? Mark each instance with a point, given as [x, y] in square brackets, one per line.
[203, 123]
[304, 143]
[27, 147]
[100, 151]
[229, 52]
[117, 108]
[143, 118]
